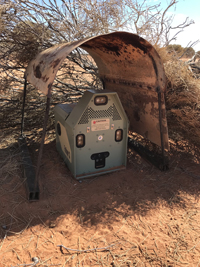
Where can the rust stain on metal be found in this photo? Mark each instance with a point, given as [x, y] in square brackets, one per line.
[154, 64]
[45, 78]
[127, 64]
[113, 48]
[50, 85]
[136, 115]
[55, 63]
[37, 72]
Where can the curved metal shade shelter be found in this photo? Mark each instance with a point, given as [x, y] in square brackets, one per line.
[128, 65]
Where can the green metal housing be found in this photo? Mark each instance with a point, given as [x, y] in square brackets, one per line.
[98, 125]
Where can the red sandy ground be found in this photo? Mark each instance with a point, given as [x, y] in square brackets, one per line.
[140, 216]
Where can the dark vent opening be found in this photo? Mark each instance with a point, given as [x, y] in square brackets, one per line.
[116, 115]
[97, 114]
[84, 117]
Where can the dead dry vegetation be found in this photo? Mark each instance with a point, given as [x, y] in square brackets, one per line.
[182, 101]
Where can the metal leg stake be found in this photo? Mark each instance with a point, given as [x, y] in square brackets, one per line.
[29, 170]
[42, 141]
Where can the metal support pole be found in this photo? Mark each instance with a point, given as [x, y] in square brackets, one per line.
[165, 162]
[160, 120]
[23, 106]
[42, 140]
[29, 170]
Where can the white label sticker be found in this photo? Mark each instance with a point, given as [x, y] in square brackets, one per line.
[100, 124]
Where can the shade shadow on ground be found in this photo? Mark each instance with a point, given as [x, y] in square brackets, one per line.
[101, 199]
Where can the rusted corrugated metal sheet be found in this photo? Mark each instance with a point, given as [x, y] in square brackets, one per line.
[42, 70]
[128, 65]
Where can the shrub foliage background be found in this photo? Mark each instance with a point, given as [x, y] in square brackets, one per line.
[28, 27]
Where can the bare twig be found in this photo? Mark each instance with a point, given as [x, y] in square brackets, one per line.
[35, 262]
[86, 250]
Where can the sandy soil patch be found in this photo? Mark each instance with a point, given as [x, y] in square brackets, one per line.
[136, 217]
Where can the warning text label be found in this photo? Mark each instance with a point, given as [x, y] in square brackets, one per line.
[100, 124]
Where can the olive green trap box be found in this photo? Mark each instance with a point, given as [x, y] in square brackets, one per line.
[91, 136]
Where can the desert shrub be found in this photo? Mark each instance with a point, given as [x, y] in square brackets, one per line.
[175, 48]
[182, 101]
[27, 27]
[28, 42]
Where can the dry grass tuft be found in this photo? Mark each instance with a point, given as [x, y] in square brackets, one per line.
[9, 165]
